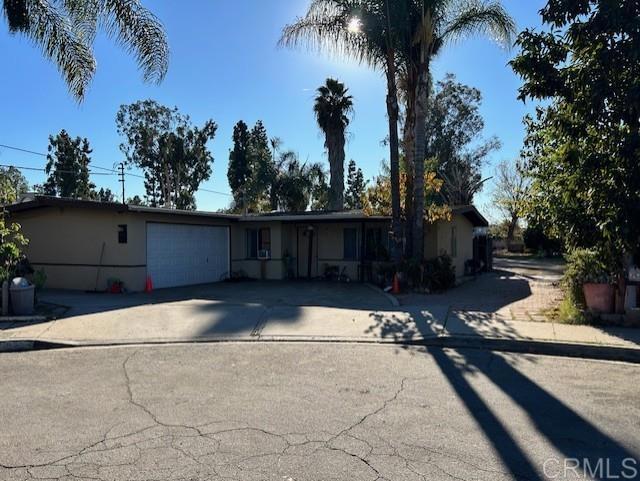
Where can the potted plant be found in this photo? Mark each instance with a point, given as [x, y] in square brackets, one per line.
[589, 281]
[115, 286]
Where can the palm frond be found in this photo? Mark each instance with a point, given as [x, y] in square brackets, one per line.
[84, 16]
[140, 32]
[478, 17]
[17, 14]
[52, 31]
[324, 30]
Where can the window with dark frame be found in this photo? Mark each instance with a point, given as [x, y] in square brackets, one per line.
[122, 234]
[258, 240]
[350, 244]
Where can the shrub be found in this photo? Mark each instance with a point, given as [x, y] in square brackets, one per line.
[11, 244]
[439, 273]
[584, 266]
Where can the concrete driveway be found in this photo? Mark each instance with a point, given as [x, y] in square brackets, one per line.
[209, 312]
[508, 304]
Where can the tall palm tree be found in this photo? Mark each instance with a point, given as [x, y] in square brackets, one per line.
[366, 31]
[442, 22]
[332, 108]
[65, 31]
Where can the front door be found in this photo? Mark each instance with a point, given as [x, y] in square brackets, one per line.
[307, 251]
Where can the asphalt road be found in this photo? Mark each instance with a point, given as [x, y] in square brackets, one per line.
[254, 411]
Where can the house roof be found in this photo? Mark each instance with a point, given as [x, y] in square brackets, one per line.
[41, 201]
[472, 214]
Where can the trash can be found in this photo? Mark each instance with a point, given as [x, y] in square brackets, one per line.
[22, 296]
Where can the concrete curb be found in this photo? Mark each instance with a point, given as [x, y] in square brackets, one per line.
[21, 345]
[547, 348]
[391, 298]
[23, 318]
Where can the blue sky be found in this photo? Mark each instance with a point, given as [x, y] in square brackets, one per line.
[225, 65]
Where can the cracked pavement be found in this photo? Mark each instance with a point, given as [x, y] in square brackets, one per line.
[307, 411]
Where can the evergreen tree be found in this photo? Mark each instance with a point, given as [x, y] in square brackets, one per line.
[68, 167]
[238, 172]
[105, 195]
[136, 200]
[262, 167]
[356, 186]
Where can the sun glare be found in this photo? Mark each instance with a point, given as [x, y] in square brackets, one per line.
[354, 25]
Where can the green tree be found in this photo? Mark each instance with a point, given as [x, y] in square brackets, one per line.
[371, 32]
[68, 167]
[454, 127]
[400, 37]
[442, 22]
[171, 151]
[583, 148]
[105, 195]
[263, 169]
[12, 244]
[356, 186]
[252, 170]
[296, 183]
[136, 200]
[239, 171]
[319, 187]
[12, 185]
[332, 108]
[65, 32]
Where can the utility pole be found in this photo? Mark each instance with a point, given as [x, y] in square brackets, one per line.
[121, 175]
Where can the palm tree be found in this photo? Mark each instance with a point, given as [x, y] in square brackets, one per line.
[332, 107]
[441, 23]
[366, 31]
[295, 182]
[65, 31]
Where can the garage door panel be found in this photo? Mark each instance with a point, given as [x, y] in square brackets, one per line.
[180, 254]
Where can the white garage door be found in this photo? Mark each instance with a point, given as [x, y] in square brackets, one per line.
[181, 255]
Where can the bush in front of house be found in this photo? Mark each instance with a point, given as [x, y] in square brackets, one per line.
[12, 243]
[439, 273]
[584, 266]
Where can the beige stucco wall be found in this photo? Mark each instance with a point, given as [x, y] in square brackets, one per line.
[66, 242]
[288, 238]
[437, 241]
[273, 268]
[331, 248]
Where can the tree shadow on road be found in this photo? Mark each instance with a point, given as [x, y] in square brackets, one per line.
[573, 436]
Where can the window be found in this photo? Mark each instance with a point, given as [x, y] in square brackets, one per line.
[454, 242]
[258, 240]
[122, 234]
[350, 249]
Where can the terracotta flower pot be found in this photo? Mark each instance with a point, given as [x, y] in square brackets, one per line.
[599, 298]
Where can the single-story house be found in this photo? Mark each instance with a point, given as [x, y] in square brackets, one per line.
[82, 244]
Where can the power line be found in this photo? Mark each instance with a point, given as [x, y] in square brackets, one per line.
[111, 171]
[21, 167]
[23, 150]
